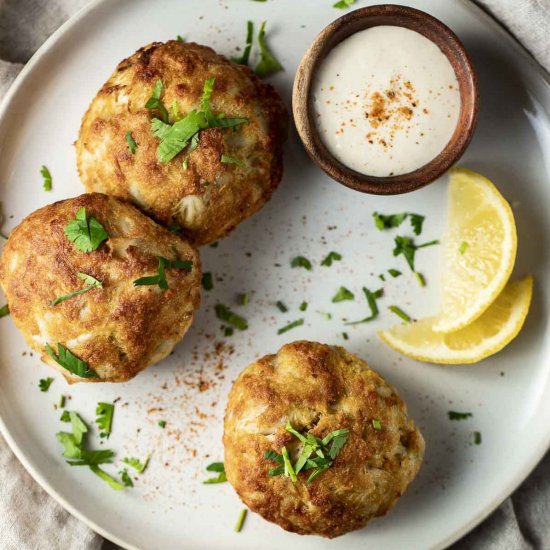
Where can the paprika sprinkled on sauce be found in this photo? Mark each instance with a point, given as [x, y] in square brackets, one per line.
[386, 101]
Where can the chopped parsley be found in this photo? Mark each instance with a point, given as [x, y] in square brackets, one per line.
[345, 336]
[454, 415]
[160, 278]
[207, 281]
[104, 412]
[407, 247]
[463, 247]
[70, 361]
[154, 102]
[301, 261]
[86, 234]
[180, 38]
[325, 314]
[394, 273]
[47, 178]
[400, 313]
[162, 424]
[226, 159]
[4, 311]
[132, 145]
[390, 221]
[126, 479]
[343, 4]
[243, 59]
[225, 314]
[416, 221]
[331, 257]
[477, 438]
[218, 468]
[420, 278]
[244, 511]
[376, 424]
[3, 235]
[113, 483]
[91, 284]
[383, 221]
[243, 299]
[45, 383]
[268, 62]
[303, 306]
[290, 326]
[324, 452]
[77, 455]
[61, 402]
[228, 331]
[281, 307]
[343, 294]
[373, 306]
[176, 137]
[136, 464]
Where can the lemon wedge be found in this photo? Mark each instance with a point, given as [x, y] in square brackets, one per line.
[479, 250]
[488, 334]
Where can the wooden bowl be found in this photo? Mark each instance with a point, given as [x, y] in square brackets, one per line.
[339, 30]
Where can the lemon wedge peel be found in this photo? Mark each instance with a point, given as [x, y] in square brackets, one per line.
[486, 336]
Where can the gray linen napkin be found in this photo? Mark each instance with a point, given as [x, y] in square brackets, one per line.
[31, 520]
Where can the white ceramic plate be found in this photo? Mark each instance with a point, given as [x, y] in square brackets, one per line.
[169, 508]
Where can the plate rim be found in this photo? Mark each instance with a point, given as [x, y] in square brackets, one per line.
[5, 103]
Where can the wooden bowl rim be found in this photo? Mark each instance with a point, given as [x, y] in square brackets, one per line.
[342, 28]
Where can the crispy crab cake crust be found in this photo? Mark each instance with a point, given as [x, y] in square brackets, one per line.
[209, 198]
[120, 329]
[319, 389]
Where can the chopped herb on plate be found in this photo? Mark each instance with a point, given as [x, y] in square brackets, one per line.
[303, 306]
[400, 313]
[463, 247]
[225, 314]
[4, 311]
[343, 4]
[454, 415]
[268, 62]
[407, 247]
[290, 326]
[126, 479]
[301, 261]
[162, 424]
[373, 306]
[207, 281]
[394, 273]
[343, 294]
[477, 438]
[47, 178]
[218, 468]
[136, 464]
[376, 424]
[281, 307]
[244, 511]
[45, 383]
[104, 412]
[243, 299]
[243, 59]
[331, 257]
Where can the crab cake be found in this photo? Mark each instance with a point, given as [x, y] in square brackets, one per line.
[320, 403]
[212, 183]
[69, 272]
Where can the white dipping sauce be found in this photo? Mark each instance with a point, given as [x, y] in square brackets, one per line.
[386, 101]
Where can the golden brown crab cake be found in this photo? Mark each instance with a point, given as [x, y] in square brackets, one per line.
[116, 330]
[207, 191]
[319, 390]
